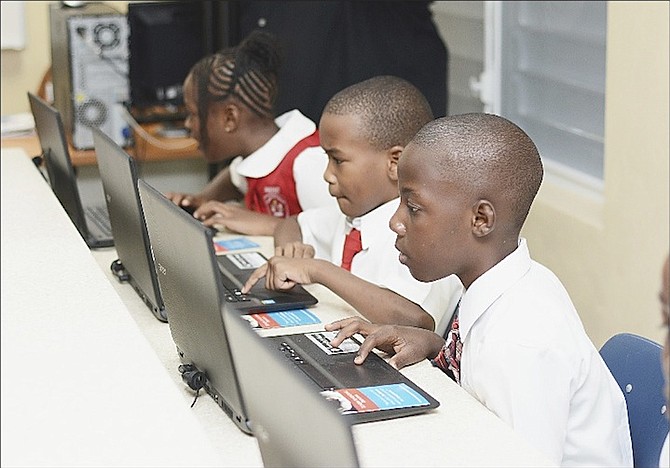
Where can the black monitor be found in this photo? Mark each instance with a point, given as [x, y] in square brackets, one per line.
[165, 40]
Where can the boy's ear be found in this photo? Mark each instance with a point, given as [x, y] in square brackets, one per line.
[483, 218]
[392, 162]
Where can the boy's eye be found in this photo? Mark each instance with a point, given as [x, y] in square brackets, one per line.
[335, 160]
[412, 209]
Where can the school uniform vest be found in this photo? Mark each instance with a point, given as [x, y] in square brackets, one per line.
[275, 194]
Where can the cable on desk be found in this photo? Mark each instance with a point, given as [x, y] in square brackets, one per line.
[37, 160]
[197, 393]
[119, 271]
[192, 377]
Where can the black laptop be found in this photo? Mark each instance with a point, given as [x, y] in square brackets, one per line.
[236, 269]
[91, 220]
[189, 275]
[193, 295]
[293, 424]
[118, 172]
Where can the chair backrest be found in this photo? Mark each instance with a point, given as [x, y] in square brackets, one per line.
[635, 363]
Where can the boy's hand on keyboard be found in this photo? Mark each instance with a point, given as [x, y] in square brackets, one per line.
[295, 250]
[406, 345]
[283, 273]
[236, 218]
[253, 279]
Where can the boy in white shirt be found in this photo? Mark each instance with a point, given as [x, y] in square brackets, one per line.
[516, 343]
[363, 129]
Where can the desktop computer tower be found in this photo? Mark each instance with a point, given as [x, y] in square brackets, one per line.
[89, 59]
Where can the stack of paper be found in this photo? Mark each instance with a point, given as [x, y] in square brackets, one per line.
[15, 125]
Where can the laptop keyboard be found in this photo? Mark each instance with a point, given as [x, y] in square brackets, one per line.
[98, 215]
[312, 372]
[235, 295]
[232, 292]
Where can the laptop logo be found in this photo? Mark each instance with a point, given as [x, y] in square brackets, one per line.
[161, 269]
[261, 433]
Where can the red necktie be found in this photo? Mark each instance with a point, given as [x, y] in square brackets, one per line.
[352, 245]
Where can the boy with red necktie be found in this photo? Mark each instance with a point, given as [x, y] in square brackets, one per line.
[516, 343]
[363, 129]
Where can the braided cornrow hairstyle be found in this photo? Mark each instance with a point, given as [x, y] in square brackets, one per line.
[247, 72]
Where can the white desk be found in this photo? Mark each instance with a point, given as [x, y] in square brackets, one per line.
[461, 432]
[81, 386]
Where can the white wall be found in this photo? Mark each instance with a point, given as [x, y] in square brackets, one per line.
[609, 255]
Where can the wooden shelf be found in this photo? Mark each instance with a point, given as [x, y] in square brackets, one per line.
[160, 149]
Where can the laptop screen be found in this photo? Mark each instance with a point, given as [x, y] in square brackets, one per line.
[119, 180]
[293, 424]
[185, 261]
[51, 133]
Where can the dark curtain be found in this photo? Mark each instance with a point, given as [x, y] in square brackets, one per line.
[329, 45]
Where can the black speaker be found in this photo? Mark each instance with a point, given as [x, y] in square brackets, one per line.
[89, 55]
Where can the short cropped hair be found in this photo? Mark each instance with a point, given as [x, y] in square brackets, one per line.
[488, 153]
[392, 109]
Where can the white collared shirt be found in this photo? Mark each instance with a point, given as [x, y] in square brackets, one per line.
[308, 167]
[326, 228]
[526, 356]
[664, 459]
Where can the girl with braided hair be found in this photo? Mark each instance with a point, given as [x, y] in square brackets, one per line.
[276, 164]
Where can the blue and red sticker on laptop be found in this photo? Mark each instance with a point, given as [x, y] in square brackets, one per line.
[375, 398]
[238, 243]
[365, 399]
[287, 318]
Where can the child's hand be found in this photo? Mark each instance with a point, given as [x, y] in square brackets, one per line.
[236, 218]
[254, 277]
[185, 200]
[282, 273]
[408, 345]
[295, 250]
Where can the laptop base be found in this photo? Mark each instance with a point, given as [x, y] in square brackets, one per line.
[333, 369]
[241, 423]
[124, 277]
